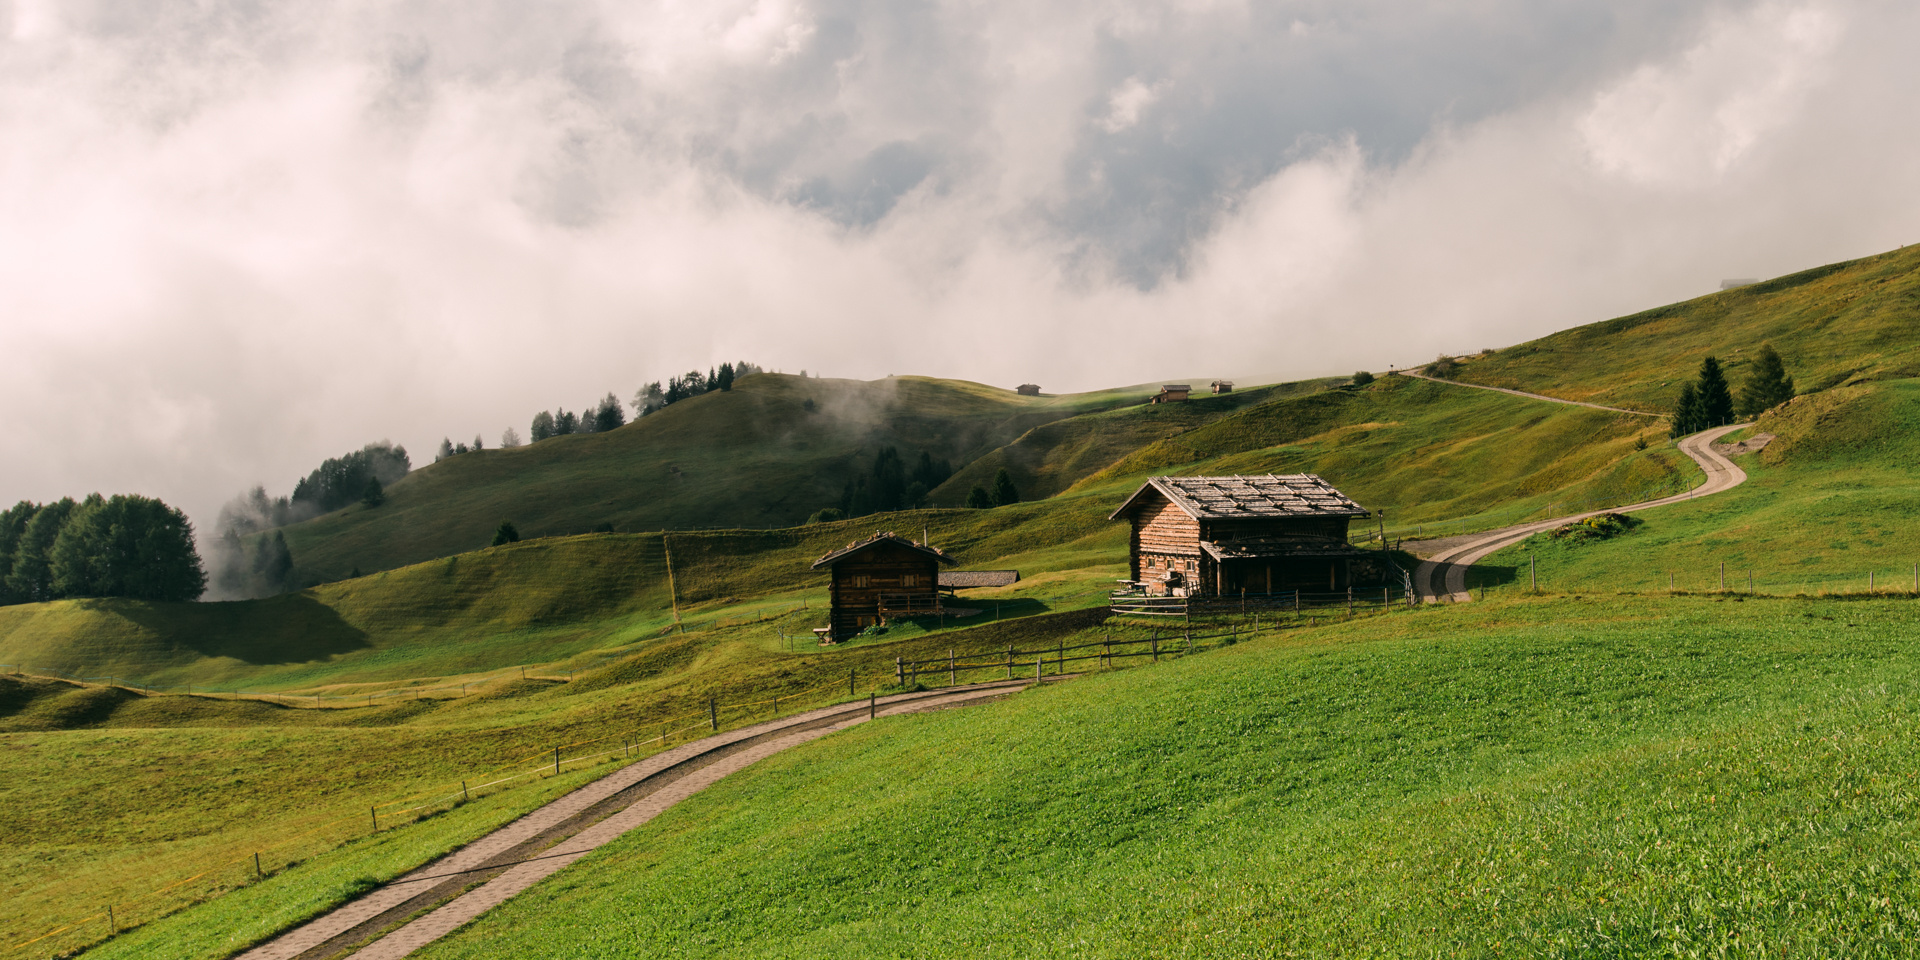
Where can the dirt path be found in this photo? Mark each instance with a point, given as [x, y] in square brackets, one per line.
[1530, 396]
[430, 902]
[1444, 574]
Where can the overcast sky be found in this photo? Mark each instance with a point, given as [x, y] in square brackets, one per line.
[239, 236]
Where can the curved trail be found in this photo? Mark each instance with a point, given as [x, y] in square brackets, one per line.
[430, 902]
[1445, 574]
[1530, 396]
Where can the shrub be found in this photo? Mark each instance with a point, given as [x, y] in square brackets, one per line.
[1362, 378]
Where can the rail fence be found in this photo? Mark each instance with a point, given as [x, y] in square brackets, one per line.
[622, 742]
[1353, 599]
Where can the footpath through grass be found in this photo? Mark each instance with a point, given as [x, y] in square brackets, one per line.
[1557, 777]
[1828, 507]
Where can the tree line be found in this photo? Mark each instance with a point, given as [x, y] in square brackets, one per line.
[890, 484]
[122, 546]
[608, 414]
[248, 555]
[1707, 402]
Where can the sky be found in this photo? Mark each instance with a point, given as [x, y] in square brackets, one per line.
[240, 236]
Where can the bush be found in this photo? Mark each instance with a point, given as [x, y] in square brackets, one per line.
[1361, 378]
[1604, 526]
[505, 534]
[978, 498]
[827, 515]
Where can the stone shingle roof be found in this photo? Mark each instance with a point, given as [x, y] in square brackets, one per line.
[1232, 498]
[859, 546]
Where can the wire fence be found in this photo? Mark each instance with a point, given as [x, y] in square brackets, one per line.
[1541, 574]
[619, 742]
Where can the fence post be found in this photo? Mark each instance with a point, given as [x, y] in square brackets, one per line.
[1037, 661]
[1383, 596]
[258, 873]
[713, 713]
[1060, 655]
[870, 704]
[1009, 661]
[464, 797]
[899, 673]
[375, 814]
[1156, 649]
[1296, 602]
[1723, 576]
[556, 761]
[1349, 601]
[850, 690]
[950, 678]
[1533, 573]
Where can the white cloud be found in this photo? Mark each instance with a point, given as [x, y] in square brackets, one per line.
[1688, 122]
[236, 238]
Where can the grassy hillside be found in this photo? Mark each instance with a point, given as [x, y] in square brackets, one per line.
[1547, 778]
[1829, 501]
[1843, 323]
[1054, 456]
[770, 452]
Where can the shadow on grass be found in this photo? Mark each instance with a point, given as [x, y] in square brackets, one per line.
[293, 628]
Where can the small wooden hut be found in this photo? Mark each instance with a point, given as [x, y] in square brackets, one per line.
[881, 577]
[1223, 386]
[1172, 393]
[1219, 536]
[1028, 390]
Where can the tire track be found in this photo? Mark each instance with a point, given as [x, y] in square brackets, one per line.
[431, 901]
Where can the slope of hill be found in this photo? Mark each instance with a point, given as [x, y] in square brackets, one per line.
[1826, 507]
[769, 452]
[1847, 322]
[1551, 778]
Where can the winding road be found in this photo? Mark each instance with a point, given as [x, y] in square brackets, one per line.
[1444, 575]
[414, 910]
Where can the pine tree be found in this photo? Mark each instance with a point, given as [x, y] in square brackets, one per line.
[1004, 493]
[375, 494]
[1716, 400]
[279, 565]
[13, 527]
[1686, 412]
[505, 534]
[609, 415]
[542, 426]
[1767, 386]
[724, 379]
[978, 498]
[446, 450]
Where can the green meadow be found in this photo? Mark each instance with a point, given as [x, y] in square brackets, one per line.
[1829, 506]
[1553, 777]
[1604, 769]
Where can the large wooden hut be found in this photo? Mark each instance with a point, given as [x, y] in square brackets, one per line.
[881, 577]
[1220, 536]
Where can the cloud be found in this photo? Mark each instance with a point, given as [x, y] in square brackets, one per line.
[239, 237]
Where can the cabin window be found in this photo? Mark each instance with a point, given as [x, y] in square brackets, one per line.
[909, 580]
[858, 580]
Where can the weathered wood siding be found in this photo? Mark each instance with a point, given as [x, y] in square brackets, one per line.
[860, 579]
[1224, 531]
[1164, 537]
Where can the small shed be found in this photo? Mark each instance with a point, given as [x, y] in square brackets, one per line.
[884, 576]
[1223, 386]
[1027, 389]
[1220, 536]
[1172, 393]
[951, 580]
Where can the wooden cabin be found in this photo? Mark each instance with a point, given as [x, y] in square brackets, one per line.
[1172, 393]
[1223, 386]
[1219, 536]
[1027, 389]
[882, 577]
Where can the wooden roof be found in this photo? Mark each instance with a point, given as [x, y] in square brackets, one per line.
[1236, 498]
[877, 540]
[979, 578]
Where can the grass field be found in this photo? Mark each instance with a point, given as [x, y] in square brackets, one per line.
[1558, 777]
[1829, 502]
[1849, 322]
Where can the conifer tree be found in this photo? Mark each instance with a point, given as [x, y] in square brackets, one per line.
[375, 494]
[978, 498]
[1767, 386]
[1716, 400]
[1686, 412]
[1004, 493]
[505, 534]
